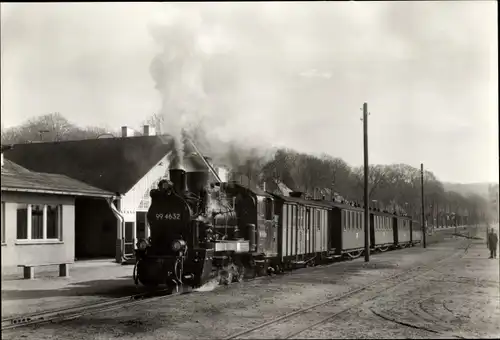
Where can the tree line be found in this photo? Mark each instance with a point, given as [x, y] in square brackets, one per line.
[394, 187]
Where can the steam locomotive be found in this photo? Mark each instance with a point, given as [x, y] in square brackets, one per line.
[224, 231]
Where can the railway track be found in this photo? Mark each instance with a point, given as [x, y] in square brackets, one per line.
[70, 313]
[81, 310]
[292, 324]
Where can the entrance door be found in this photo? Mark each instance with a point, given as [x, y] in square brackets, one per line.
[141, 225]
[129, 239]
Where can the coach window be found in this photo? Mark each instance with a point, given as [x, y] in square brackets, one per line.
[3, 222]
[269, 208]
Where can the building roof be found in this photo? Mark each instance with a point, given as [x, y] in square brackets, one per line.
[16, 178]
[110, 164]
[11, 167]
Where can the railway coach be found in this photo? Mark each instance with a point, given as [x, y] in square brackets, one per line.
[346, 230]
[402, 231]
[303, 230]
[416, 232]
[381, 230]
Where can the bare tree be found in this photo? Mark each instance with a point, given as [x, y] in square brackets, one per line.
[376, 177]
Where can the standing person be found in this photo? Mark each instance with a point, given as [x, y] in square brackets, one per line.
[492, 243]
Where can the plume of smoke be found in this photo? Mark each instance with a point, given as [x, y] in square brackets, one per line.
[186, 44]
[209, 286]
[177, 71]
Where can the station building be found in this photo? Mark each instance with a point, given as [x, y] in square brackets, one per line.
[128, 167]
[38, 216]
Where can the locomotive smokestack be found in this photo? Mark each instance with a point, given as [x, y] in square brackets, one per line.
[178, 178]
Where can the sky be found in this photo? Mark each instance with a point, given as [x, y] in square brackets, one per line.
[279, 74]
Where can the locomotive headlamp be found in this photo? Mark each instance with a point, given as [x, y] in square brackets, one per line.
[178, 245]
[142, 244]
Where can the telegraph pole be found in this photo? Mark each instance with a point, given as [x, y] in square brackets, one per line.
[367, 204]
[423, 206]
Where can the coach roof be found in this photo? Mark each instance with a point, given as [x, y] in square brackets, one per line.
[303, 201]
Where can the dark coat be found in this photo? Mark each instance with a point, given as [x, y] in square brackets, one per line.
[492, 240]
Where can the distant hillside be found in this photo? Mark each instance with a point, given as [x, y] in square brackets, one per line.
[470, 188]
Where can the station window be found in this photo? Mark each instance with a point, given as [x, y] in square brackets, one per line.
[39, 222]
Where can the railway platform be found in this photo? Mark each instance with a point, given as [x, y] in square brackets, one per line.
[89, 282]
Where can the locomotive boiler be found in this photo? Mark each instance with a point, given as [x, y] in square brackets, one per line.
[195, 231]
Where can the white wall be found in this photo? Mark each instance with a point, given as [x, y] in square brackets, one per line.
[130, 203]
[132, 199]
[16, 253]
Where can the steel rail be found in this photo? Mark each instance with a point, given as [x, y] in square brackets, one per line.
[341, 297]
[80, 310]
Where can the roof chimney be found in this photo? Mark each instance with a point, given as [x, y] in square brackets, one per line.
[127, 132]
[148, 130]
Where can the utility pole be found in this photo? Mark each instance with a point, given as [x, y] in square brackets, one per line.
[423, 206]
[367, 201]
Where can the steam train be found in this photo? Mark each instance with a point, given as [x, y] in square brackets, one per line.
[225, 231]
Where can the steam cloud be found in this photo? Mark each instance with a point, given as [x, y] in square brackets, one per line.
[188, 43]
[177, 71]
